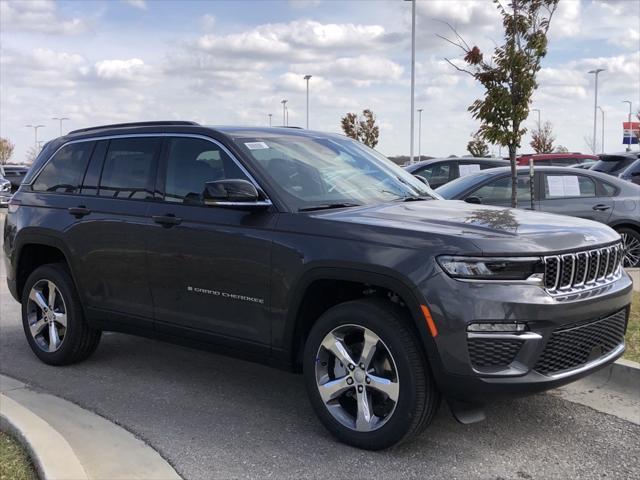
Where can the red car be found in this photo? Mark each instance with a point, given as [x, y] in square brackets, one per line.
[556, 159]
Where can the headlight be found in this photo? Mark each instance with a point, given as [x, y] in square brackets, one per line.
[493, 268]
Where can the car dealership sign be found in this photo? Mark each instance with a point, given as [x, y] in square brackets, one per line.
[631, 132]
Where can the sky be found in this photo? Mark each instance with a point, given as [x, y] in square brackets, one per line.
[232, 62]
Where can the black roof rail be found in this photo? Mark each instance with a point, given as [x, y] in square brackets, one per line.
[136, 124]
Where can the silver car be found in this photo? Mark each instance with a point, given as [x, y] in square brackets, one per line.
[562, 190]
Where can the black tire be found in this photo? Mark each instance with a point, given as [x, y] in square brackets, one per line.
[418, 398]
[634, 236]
[80, 340]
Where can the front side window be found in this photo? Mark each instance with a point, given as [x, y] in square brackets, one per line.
[65, 170]
[129, 169]
[190, 163]
[568, 186]
[436, 174]
[498, 191]
[318, 172]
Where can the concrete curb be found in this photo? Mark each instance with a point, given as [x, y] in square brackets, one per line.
[68, 442]
[50, 453]
[634, 273]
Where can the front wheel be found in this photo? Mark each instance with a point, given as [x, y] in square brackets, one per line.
[367, 376]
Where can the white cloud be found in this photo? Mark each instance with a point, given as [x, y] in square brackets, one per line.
[38, 16]
[207, 21]
[132, 70]
[139, 4]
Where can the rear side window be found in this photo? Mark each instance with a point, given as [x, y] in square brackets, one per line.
[65, 170]
[129, 168]
[568, 186]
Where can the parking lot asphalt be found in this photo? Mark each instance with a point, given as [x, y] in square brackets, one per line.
[215, 417]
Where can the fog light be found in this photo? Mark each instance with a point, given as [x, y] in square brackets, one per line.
[497, 327]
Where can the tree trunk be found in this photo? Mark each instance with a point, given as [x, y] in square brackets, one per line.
[514, 176]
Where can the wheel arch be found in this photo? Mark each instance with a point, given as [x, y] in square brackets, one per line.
[321, 288]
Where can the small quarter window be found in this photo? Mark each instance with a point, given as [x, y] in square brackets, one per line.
[65, 170]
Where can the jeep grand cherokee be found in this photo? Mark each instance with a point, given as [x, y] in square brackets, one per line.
[313, 252]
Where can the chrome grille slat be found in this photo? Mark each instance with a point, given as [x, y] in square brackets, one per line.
[576, 271]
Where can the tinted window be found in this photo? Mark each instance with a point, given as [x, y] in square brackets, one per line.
[568, 186]
[609, 190]
[499, 190]
[436, 174]
[128, 170]
[65, 170]
[192, 162]
[487, 165]
[614, 165]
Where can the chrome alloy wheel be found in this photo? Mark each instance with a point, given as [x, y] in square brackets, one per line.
[631, 246]
[357, 378]
[47, 315]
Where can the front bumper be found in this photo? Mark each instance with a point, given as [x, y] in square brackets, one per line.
[565, 339]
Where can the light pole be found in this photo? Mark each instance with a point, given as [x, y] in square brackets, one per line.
[284, 111]
[413, 74]
[420, 134]
[630, 129]
[270, 115]
[35, 132]
[602, 141]
[60, 119]
[538, 111]
[307, 77]
[287, 112]
[595, 105]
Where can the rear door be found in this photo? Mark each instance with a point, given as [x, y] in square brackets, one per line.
[109, 236]
[575, 195]
[209, 265]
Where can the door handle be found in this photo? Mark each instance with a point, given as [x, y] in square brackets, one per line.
[168, 220]
[79, 212]
[600, 207]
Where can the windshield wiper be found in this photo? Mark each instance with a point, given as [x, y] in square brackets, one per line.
[327, 206]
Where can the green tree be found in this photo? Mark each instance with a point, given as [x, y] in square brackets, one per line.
[363, 129]
[477, 147]
[6, 150]
[509, 75]
[542, 138]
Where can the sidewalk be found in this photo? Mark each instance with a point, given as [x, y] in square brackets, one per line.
[68, 442]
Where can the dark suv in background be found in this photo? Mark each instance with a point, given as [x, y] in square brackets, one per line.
[312, 252]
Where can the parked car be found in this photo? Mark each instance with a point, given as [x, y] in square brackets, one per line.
[567, 191]
[632, 173]
[243, 240]
[614, 164]
[584, 166]
[15, 174]
[438, 171]
[5, 191]
[556, 159]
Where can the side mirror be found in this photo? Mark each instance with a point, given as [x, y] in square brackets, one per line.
[231, 192]
[474, 200]
[423, 180]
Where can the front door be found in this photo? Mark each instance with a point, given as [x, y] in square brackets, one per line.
[209, 265]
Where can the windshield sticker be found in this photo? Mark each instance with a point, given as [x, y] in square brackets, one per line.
[256, 145]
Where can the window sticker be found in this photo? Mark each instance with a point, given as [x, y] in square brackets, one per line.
[256, 145]
[563, 186]
[468, 169]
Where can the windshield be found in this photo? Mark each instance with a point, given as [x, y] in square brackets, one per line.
[611, 166]
[453, 189]
[325, 172]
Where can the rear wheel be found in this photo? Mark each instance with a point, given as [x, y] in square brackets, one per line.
[366, 375]
[53, 319]
[631, 245]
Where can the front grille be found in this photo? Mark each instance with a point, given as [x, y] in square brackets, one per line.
[572, 346]
[485, 352]
[580, 270]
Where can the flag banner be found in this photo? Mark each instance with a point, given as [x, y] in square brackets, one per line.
[631, 132]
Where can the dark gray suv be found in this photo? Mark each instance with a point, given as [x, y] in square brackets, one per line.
[311, 252]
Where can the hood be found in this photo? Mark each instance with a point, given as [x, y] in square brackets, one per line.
[494, 230]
